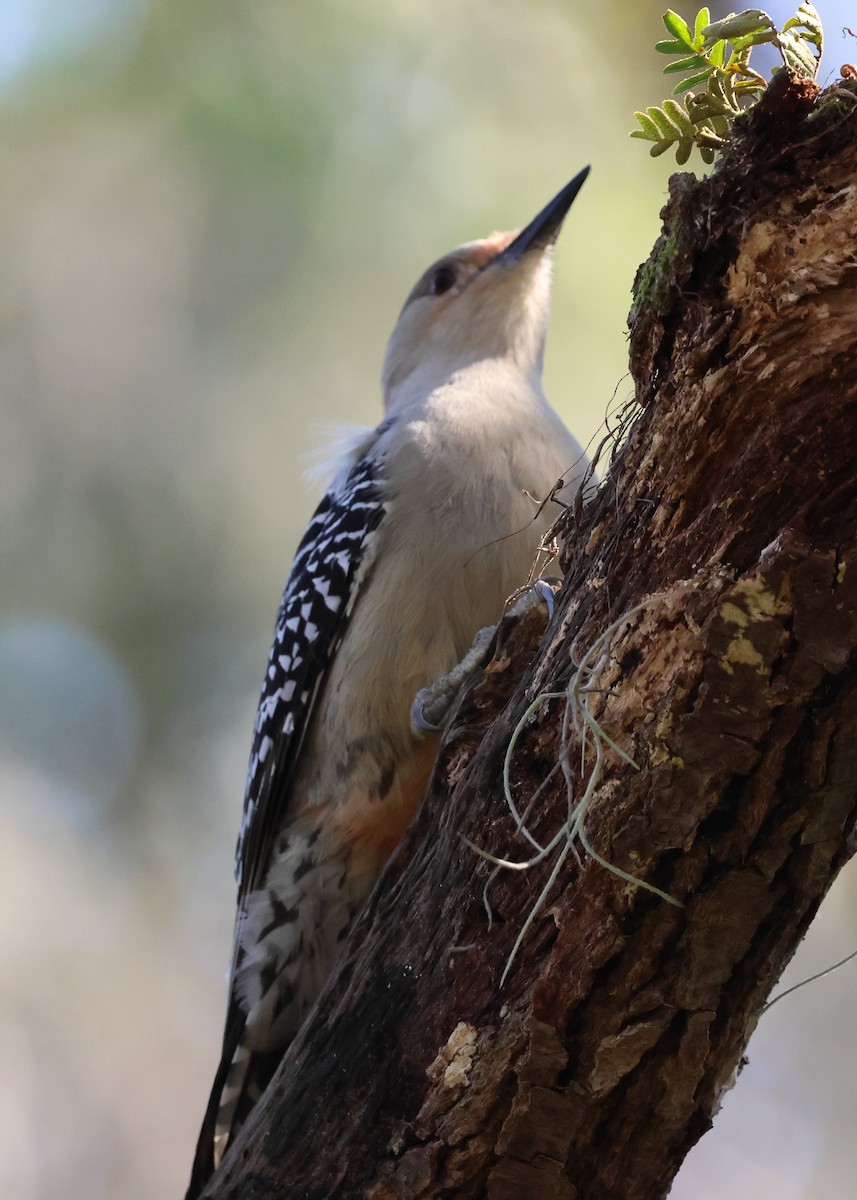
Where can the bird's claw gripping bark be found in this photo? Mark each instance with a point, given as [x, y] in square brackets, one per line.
[432, 704]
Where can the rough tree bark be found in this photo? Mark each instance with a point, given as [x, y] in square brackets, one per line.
[730, 509]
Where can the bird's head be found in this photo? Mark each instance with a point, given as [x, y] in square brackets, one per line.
[485, 299]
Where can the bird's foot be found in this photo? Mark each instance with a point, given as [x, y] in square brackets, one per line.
[432, 704]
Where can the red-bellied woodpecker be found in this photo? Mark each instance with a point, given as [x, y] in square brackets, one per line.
[429, 525]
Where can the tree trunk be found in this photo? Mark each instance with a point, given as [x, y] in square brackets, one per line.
[708, 622]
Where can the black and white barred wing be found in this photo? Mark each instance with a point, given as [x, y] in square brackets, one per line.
[331, 563]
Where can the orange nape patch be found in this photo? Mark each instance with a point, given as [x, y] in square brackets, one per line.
[369, 827]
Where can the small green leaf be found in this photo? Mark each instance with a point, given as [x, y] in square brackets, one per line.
[797, 55]
[720, 94]
[671, 47]
[751, 20]
[656, 151]
[807, 18]
[703, 17]
[682, 151]
[720, 125]
[747, 87]
[691, 81]
[649, 129]
[666, 128]
[717, 53]
[743, 45]
[678, 115]
[678, 28]
[685, 64]
[698, 108]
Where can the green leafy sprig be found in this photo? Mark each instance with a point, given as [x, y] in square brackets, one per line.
[717, 55]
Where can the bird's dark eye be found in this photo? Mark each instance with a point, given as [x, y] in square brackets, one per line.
[442, 280]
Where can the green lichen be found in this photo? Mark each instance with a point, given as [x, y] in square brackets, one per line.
[654, 284]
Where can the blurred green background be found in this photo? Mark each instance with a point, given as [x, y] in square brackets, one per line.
[210, 216]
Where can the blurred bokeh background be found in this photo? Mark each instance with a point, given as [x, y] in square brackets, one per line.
[209, 217]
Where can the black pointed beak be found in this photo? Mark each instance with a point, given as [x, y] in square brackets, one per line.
[544, 229]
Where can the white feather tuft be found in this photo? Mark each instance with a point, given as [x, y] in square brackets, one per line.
[336, 447]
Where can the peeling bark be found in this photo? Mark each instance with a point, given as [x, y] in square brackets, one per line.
[730, 510]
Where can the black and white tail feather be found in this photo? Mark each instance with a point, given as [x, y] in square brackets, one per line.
[332, 561]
